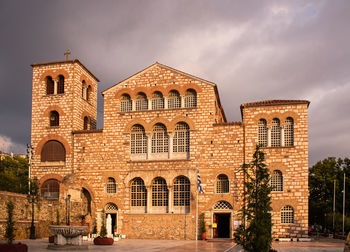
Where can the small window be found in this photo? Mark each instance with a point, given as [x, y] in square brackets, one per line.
[53, 151]
[287, 215]
[111, 185]
[289, 132]
[157, 101]
[160, 192]
[277, 181]
[262, 133]
[50, 189]
[54, 118]
[222, 184]
[60, 87]
[190, 99]
[174, 100]
[275, 133]
[182, 191]
[88, 93]
[50, 85]
[181, 141]
[138, 193]
[86, 122]
[141, 102]
[125, 103]
[83, 89]
[138, 140]
[160, 139]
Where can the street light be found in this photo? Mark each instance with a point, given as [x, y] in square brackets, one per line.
[68, 210]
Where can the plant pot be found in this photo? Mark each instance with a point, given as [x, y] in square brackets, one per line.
[103, 241]
[204, 236]
[51, 239]
[14, 247]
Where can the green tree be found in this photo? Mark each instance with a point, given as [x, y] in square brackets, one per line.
[256, 235]
[10, 224]
[321, 188]
[14, 174]
[103, 231]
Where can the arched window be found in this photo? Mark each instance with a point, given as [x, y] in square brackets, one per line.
[53, 151]
[287, 215]
[160, 138]
[86, 122]
[181, 141]
[138, 140]
[50, 189]
[160, 192]
[222, 184]
[275, 133]
[50, 85]
[174, 100]
[157, 101]
[141, 102]
[182, 190]
[111, 185]
[262, 133]
[190, 99]
[60, 87]
[277, 181]
[125, 103]
[54, 118]
[88, 93]
[111, 208]
[83, 89]
[289, 132]
[138, 193]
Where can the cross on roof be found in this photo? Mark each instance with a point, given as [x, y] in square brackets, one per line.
[67, 53]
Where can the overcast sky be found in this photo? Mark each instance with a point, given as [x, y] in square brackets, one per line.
[253, 50]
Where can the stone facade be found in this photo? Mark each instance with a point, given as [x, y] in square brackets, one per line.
[215, 147]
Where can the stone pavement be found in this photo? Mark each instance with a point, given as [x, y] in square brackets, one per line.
[326, 245]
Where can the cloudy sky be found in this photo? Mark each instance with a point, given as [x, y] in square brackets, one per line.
[253, 50]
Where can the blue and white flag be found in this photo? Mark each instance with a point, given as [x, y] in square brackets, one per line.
[199, 186]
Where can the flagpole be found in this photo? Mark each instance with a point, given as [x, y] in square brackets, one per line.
[197, 205]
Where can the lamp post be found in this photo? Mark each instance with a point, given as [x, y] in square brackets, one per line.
[67, 209]
[32, 190]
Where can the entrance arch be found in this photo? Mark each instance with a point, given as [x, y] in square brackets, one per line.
[222, 220]
[111, 211]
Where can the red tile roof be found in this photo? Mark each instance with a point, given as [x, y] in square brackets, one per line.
[274, 103]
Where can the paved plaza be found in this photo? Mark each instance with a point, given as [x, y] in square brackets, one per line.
[326, 245]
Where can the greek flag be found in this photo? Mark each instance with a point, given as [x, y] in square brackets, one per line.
[199, 186]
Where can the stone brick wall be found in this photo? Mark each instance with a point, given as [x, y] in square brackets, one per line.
[216, 147]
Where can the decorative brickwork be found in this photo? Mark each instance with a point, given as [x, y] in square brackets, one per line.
[101, 166]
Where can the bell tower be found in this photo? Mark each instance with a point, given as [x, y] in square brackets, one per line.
[64, 99]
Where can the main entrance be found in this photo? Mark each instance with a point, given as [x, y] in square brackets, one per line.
[222, 220]
[111, 211]
[223, 225]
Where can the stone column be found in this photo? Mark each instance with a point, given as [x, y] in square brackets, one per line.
[133, 105]
[170, 198]
[170, 145]
[149, 199]
[165, 102]
[149, 104]
[149, 145]
[269, 136]
[55, 86]
[282, 135]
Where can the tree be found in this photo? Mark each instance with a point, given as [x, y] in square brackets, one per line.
[14, 174]
[321, 187]
[256, 235]
[10, 224]
[103, 231]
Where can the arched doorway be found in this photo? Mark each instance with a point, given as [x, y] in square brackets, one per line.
[111, 211]
[86, 201]
[222, 220]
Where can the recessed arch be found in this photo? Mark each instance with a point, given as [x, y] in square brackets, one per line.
[40, 145]
[179, 119]
[122, 91]
[51, 108]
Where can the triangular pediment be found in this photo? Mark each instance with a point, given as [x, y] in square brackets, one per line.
[149, 69]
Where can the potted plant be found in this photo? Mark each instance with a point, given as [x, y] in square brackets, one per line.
[94, 229]
[203, 228]
[82, 217]
[103, 239]
[9, 233]
[115, 229]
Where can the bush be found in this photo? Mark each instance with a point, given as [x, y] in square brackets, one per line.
[103, 231]
[10, 224]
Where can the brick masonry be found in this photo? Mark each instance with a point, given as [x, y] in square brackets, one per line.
[216, 147]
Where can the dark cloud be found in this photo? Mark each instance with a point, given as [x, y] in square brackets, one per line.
[253, 50]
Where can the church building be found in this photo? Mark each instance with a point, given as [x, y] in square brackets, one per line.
[161, 126]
